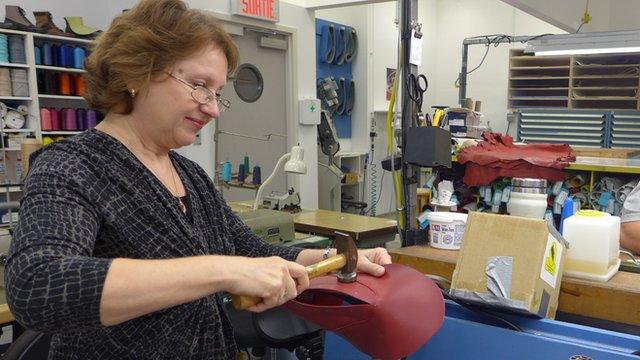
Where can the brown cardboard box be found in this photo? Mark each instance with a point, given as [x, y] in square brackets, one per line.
[510, 262]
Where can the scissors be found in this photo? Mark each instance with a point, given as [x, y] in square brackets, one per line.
[417, 86]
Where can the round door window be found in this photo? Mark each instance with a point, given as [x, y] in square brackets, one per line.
[248, 83]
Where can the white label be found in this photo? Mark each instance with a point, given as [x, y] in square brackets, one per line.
[416, 50]
[551, 261]
[456, 122]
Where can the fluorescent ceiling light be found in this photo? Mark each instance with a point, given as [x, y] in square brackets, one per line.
[586, 43]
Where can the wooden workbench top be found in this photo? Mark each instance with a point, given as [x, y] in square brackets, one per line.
[616, 300]
[325, 222]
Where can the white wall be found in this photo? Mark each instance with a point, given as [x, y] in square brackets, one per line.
[100, 13]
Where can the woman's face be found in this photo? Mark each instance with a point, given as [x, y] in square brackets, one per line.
[168, 113]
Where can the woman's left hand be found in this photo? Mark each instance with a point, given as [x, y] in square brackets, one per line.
[370, 261]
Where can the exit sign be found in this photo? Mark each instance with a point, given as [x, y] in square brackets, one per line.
[268, 10]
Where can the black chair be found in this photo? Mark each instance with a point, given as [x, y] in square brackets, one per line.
[276, 328]
[30, 345]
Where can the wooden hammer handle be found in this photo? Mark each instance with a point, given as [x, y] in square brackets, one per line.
[242, 302]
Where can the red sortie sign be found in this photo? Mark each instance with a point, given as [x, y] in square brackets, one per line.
[259, 8]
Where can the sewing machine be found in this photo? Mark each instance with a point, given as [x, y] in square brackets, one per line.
[289, 201]
[272, 226]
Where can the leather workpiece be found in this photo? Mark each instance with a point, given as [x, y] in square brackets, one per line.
[386, 317]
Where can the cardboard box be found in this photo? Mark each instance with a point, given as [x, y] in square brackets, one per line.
[510, 263]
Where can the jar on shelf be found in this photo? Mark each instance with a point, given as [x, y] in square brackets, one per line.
[528, 198]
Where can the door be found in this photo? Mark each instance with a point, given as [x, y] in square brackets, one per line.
[255, 126]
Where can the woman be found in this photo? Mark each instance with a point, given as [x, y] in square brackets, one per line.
[123, 246]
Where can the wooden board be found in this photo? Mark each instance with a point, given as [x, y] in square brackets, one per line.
[606, 153]
[616, 300]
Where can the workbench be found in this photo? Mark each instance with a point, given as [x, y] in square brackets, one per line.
[366, 231]
[616, 300]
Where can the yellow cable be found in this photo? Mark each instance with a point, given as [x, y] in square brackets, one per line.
[396, 175]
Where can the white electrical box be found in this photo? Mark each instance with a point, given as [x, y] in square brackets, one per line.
[309, 111]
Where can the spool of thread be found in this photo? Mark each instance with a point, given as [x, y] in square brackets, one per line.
[27, 146]
[79, 85]
[92, 119]
[69, 121]
[50, 83]
[257, 178]
[16, 49]
[246, 163]
[81, 118]
[69, 55]
[47, 57]
[56, 124]
[55, 60]
[225, 174]
[64, 84]
[4, 48]
[78, 57]
[241, 173]
[19, 82]
[37, 54]
[62, 55]
[45, 119]
[5, 82]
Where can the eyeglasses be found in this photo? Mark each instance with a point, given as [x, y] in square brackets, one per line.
[204, 96]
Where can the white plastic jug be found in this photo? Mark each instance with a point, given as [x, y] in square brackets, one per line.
[594, 243]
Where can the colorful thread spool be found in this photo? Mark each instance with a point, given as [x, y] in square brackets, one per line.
[91, 119]
[45, 119]
[16, 49]
[81, 118]
[4, 48]
[56, 124]
[69, 121]
[225, 174]
[246, 162]
[242, 174]
[78, 57]
[64, 84]
[78, 85]
[37, 54]
[257, 178]
[55, 60]
[47, 58]
[62, 56]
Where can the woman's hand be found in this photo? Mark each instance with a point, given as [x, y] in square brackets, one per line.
[272, 279]
[370, 261]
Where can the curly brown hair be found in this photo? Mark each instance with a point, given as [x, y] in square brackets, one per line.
[143, 42]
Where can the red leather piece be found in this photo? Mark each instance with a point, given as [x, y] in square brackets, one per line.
[386, 317]
[497, 156]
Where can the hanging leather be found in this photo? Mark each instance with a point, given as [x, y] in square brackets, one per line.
[339, 43]
[387, 317]
[353, 46]
[343, 39]
[351, 97]
[342, 96]
[327, 45]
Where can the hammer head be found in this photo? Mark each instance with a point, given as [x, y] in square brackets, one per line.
[346, 246]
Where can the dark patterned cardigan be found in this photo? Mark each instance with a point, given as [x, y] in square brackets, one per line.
[88, 200]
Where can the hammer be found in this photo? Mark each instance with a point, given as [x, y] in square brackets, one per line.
[346, 260]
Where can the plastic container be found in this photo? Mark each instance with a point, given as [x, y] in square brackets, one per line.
[594, 242]
[528, 198]
[446, 229]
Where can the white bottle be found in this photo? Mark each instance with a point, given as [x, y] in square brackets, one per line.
[594, 243]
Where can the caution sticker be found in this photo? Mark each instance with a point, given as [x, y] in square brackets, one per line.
[551, 262]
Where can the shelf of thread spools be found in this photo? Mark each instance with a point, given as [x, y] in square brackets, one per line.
[241, 179]
[14, 80]
[59, 65]
[56, 123]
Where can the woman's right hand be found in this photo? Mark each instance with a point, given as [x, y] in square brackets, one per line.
[272, 279]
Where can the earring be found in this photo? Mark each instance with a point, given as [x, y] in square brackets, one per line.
[132, 92]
